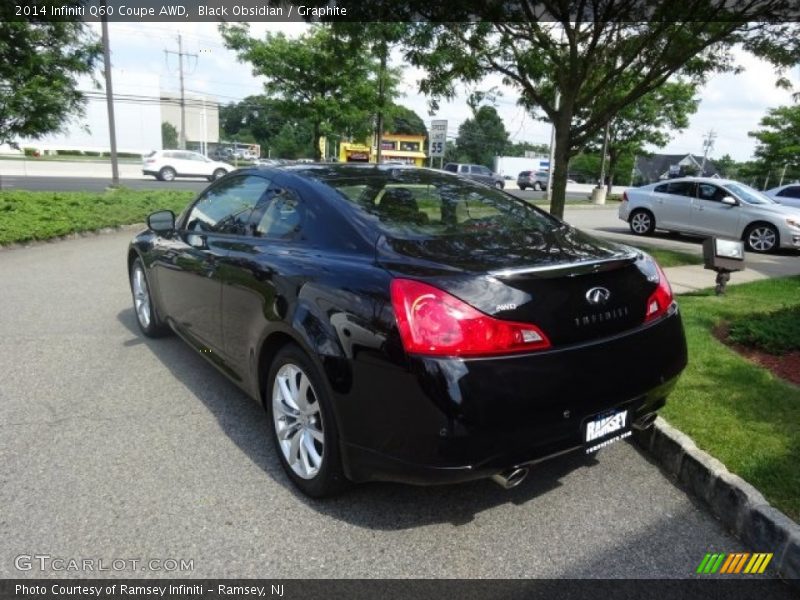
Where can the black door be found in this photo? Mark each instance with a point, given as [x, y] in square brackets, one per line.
[188, 273]
[257, 276]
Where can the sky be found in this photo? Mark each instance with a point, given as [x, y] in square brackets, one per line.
[731, 104]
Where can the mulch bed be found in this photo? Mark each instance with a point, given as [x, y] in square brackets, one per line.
[785, 366]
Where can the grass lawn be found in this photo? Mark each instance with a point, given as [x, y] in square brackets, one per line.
[670, 258]
[735, 410]
[26, 216]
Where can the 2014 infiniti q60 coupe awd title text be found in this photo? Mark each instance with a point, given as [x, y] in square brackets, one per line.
[409, 325]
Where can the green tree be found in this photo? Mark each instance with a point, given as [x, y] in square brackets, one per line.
[482, 137]
[578, 71]
[726, 166]
[406, 121]
[649, 121]
[314, 77]
[520, 148]
[255, 119]
[169, 136]
[778, 148]
[40, 63]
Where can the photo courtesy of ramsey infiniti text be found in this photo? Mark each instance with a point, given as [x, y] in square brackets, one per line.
[406, 324]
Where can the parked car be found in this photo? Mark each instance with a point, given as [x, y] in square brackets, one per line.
[537, 180]
[787, 195]
[409, 325]
[476, 173]
[166, 165]
[707, 206]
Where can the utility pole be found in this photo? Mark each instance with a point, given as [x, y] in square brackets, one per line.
[708, 144]
[180, 53]
[783, 174]
[551, 159]
[602, 181]
[112, 128]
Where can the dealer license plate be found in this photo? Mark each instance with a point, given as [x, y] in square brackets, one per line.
[606, 429]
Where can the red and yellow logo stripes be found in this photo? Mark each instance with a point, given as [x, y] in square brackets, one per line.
[735, 563]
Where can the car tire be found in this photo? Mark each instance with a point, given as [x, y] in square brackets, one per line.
[304, 433]
[538, 186]
[218, 173]
[167, 174]
[499, 185]
[144, 309]
[642, 222]
[762, 238]
[522, 188]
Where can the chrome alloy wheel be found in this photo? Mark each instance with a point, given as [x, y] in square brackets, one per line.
[298, 421]
[640, 223]
[141, 297]
[762, 238]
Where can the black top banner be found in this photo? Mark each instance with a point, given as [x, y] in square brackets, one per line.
[402, 10]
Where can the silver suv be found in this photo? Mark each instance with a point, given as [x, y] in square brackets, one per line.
[705, 206]
[476, 172]
[538, 180]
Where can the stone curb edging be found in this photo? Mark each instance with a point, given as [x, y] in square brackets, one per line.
[77, 235]
[741, 508]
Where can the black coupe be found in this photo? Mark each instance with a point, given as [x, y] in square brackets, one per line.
[409, 325]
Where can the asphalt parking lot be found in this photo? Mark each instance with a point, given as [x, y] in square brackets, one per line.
[114, 446]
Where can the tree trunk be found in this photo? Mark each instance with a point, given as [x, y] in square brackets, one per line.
[612, 164]
[560, 165]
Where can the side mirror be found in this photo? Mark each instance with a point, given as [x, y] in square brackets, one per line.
[162, 221]
[730, 201]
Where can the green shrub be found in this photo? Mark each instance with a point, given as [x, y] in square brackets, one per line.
[26, 216]
[776, 332]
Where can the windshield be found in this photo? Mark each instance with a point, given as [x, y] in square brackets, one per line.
[417, 203]
[748, 194]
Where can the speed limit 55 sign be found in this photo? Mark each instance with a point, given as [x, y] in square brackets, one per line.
[438, 138]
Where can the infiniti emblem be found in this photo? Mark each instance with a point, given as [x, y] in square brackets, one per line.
[598, 295]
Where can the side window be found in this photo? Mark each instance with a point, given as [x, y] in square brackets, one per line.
[227, 206]
[463, 169]
[661, 189]
[450, 167]
[708, 191]
[194, 156]
[681, 188]
[280, 216]
[790, 192]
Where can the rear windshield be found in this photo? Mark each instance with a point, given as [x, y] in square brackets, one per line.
[417, 203]
[524, 173]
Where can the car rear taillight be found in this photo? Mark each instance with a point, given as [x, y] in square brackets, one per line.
[624, 196]
[660, 300]
[434, 323]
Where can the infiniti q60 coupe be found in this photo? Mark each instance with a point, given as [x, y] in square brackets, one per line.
[404, 324]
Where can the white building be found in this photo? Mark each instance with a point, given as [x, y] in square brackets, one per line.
[202, 116]
[139, 109]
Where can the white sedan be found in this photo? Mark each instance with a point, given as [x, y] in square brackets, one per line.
[788, 195]
[166, 165]
[719, 207]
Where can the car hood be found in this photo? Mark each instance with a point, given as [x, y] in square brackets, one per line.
[778, 209]
[496, 250]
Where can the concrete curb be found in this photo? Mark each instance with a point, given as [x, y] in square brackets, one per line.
[741, 508]
[72, 236]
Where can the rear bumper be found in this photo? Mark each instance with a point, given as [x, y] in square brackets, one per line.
[452, 420]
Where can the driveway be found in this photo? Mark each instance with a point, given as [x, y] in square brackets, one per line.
[113, 446]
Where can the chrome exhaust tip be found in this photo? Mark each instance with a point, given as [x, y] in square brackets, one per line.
[510, 478]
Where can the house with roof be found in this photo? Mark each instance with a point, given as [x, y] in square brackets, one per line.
[656, 167]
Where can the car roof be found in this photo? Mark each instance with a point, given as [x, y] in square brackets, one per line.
[717, 180]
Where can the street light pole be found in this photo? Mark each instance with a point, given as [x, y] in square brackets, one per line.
[112, 129]
[602, 181]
